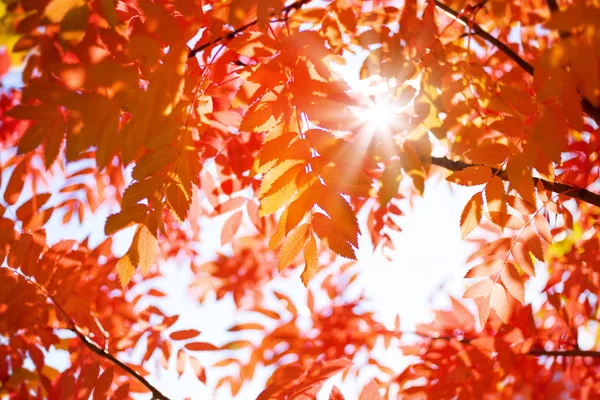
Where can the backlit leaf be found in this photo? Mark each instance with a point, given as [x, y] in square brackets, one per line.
[292, 245]
[513, 282]
[471, 176]
[312, 260]
[231, 226]
[471, 214]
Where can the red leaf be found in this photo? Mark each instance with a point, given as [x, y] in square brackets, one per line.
[184, 334]
[201, 346]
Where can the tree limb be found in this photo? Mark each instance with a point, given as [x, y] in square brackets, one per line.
[561, 188]
[592, 111]
[90, 344]
[294, 6]
[532, 352]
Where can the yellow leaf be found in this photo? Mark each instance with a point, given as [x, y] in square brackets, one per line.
[56, 10]
[292, 245]
[312, 260]
[274, 202]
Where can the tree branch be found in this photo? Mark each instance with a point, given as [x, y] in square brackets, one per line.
[561, 188]
[156, 394]
[592, 111]
[294, 6]
[532, 352]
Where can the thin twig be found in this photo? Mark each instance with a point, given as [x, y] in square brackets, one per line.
[294, 6]
[560, 188]
[592, 111]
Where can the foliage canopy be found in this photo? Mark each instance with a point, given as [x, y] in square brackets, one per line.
[168, 113]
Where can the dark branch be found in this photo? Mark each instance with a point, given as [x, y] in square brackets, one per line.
[156, 394]
[532, 352]
[561, 188]
[564, 353]
[588, 107]
[285, 11]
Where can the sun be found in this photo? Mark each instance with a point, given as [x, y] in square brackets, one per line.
[379, 113]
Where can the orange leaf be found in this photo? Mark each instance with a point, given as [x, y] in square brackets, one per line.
[542, 226]
[471, 214]
[125, 270]
[494, 153]
[486, 268]
[482, 288]
[246, 326]
[370, 392]
[230, 227]
[184, 334]
[506, 220]
[15, 183]
[532, 241]
[125, 218]
[499, 302]
[523, 259]
[513, 282]
[471, 176]
[201, 346]
[312, 260]
[199, 370]
[292, 245]
[494, 195]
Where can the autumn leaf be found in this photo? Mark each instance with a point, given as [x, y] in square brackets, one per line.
[184, 334]
[125, 218]
[522, 258]
[200, 346]
[513, 282]
[125, 269]
[494, 153]
[471, 176]
[292, 245]
[231, 226]
[471, 214]
[147, 243]
[312, 260]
